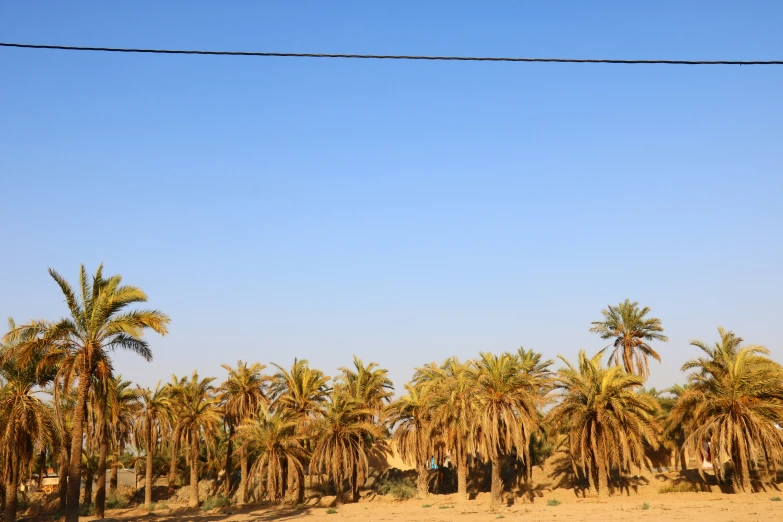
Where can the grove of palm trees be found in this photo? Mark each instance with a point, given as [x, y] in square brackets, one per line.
[282, 432]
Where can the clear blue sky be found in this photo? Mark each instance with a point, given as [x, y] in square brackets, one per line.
[400, 211]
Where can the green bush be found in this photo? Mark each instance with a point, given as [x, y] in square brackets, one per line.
[402, 488]
[331, 511]
[215, 502]
[115, 501]
[679, 487]
[427, 505]
[775, 499]
[645, 506]
[552, 502]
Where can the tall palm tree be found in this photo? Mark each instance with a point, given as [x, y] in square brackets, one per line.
[152, 423]
[274, 440]
[409, 416]
[28, 423]
[450, 389]
[199, 415]
[174, 389]
[631, 330]
[99, 322]
[243, 393]
[341, 432]
[99, 413]
[603, 419]
[302, 391]
[507, 414]
[733, 402]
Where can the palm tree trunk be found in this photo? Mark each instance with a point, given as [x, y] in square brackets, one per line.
[194, 470]
[63, 476]
[603, 481]
[115, 468]
[422, 481]
[683, 459]
[497, 482]
[462, 476]
[243, 471]
[229, 456]
[292, 492]
[148, 469]
[173, 467]
[10, 496]
[88, 488]
[77, 436]
[100, 494]
[740, 474]
[42, 468]
[354, 485]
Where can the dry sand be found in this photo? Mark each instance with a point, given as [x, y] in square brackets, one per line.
[694, 507]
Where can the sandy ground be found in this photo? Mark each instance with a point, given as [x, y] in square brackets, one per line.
[694, 507]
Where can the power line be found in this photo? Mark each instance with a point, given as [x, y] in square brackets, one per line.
[393, 57]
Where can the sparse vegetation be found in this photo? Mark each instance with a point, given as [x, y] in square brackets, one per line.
[216, 502]
[552, 502]
[400, 487]
[331, 511]
[679, 487]
[645, 506]
[776, 499]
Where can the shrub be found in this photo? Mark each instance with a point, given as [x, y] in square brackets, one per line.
[331, 511]
[215, 503]
[402, 488]
[775, 499]
[552, 502]
[115, 501]
[86, 510]
[645, 506]
[679, 487]
[427, 505]
[445, 507]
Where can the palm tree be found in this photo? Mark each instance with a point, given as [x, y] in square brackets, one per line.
[174, 389]
[152, 423]
[603, 419]
[275, 440]
[410, 418]
[198, 415]
[99, 322]
[302, 391]
[369, 385]
[627, 324]
[123, 409]
[27, 423]
[243, 393]
[341, 432]
[733, 402]
[507, 416]
[450, 392]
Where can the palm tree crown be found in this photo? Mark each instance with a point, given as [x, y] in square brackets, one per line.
[631, 330]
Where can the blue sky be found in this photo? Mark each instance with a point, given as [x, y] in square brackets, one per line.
[401, 211]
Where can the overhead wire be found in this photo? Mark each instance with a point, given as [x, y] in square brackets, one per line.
[389, 56]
